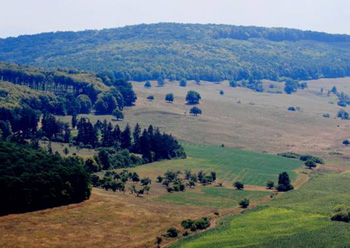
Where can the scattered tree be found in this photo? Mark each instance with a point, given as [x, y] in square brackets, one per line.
[244, 203]
[195, 111]
[169, 97]
[193, 97]
[238, 185]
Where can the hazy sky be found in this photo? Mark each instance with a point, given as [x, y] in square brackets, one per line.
[35, 16]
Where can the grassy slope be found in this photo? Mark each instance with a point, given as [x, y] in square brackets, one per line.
[297, 219]
[213, 197]
[229, 164]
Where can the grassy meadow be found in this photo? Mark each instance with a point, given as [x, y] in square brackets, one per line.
[296, 219]
[230, 164]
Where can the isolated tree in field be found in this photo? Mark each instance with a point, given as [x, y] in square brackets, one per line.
[148, 85]
[270, 184]
[284, 182]
[310, 164]
[244, 203]
[150, 98]
[160, 81]
[169, 97]
[118, 114]
[183, 83]
[195, 111]
[193, 97]
[221, 92]
[238, 185]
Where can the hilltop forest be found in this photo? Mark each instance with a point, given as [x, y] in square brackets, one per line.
[190, 51]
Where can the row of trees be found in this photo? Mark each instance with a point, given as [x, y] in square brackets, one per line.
[178, 181]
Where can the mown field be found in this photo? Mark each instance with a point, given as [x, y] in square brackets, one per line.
[213, 197]
[297, 219]
[230, 164]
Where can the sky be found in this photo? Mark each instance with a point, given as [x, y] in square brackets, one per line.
[19, 17]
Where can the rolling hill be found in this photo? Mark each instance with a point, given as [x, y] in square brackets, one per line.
[192, 51]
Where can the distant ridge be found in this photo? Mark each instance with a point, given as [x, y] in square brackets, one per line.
[210, 52]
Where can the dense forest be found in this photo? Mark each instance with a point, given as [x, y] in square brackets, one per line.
[190, 51]
[63, 92]
[32, 179]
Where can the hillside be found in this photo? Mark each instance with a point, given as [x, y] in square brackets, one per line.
[192, 51]
[76, 91]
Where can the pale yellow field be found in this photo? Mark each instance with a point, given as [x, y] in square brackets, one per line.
[248, 120]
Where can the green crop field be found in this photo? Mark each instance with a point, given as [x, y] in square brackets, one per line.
[214, 197]
[296, 219]
[229, 164]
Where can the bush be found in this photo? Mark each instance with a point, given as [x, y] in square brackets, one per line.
[150, 98]
[172, 232]
[310, 164]
[244, 203]
[291, 109]
[341, 213]
[238, 185]
[187, 223]
[342, 114]
[270, 184]
[312, 158]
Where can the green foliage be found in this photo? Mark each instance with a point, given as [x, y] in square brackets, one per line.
[33, 179]
[342, 114]
[310, 164]
[270, 184]
[244, 203]
[195, 225]
[169, 97]
[284, 182]
[341, 213]
[172, 232]
[183, 82]
[193, 97]
[238, 185]
[150, 98]
[303, 54]
[195, 111]
[63, 91]
[118, 114]
[148, 84]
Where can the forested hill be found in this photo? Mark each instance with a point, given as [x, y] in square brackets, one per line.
[191, 51]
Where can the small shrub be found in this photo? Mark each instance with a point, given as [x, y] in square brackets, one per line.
[238, 185]
[150, 98]
[244, 203]
[172, 232]
[270, 184]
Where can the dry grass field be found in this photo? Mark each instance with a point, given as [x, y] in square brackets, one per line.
[248, 120]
